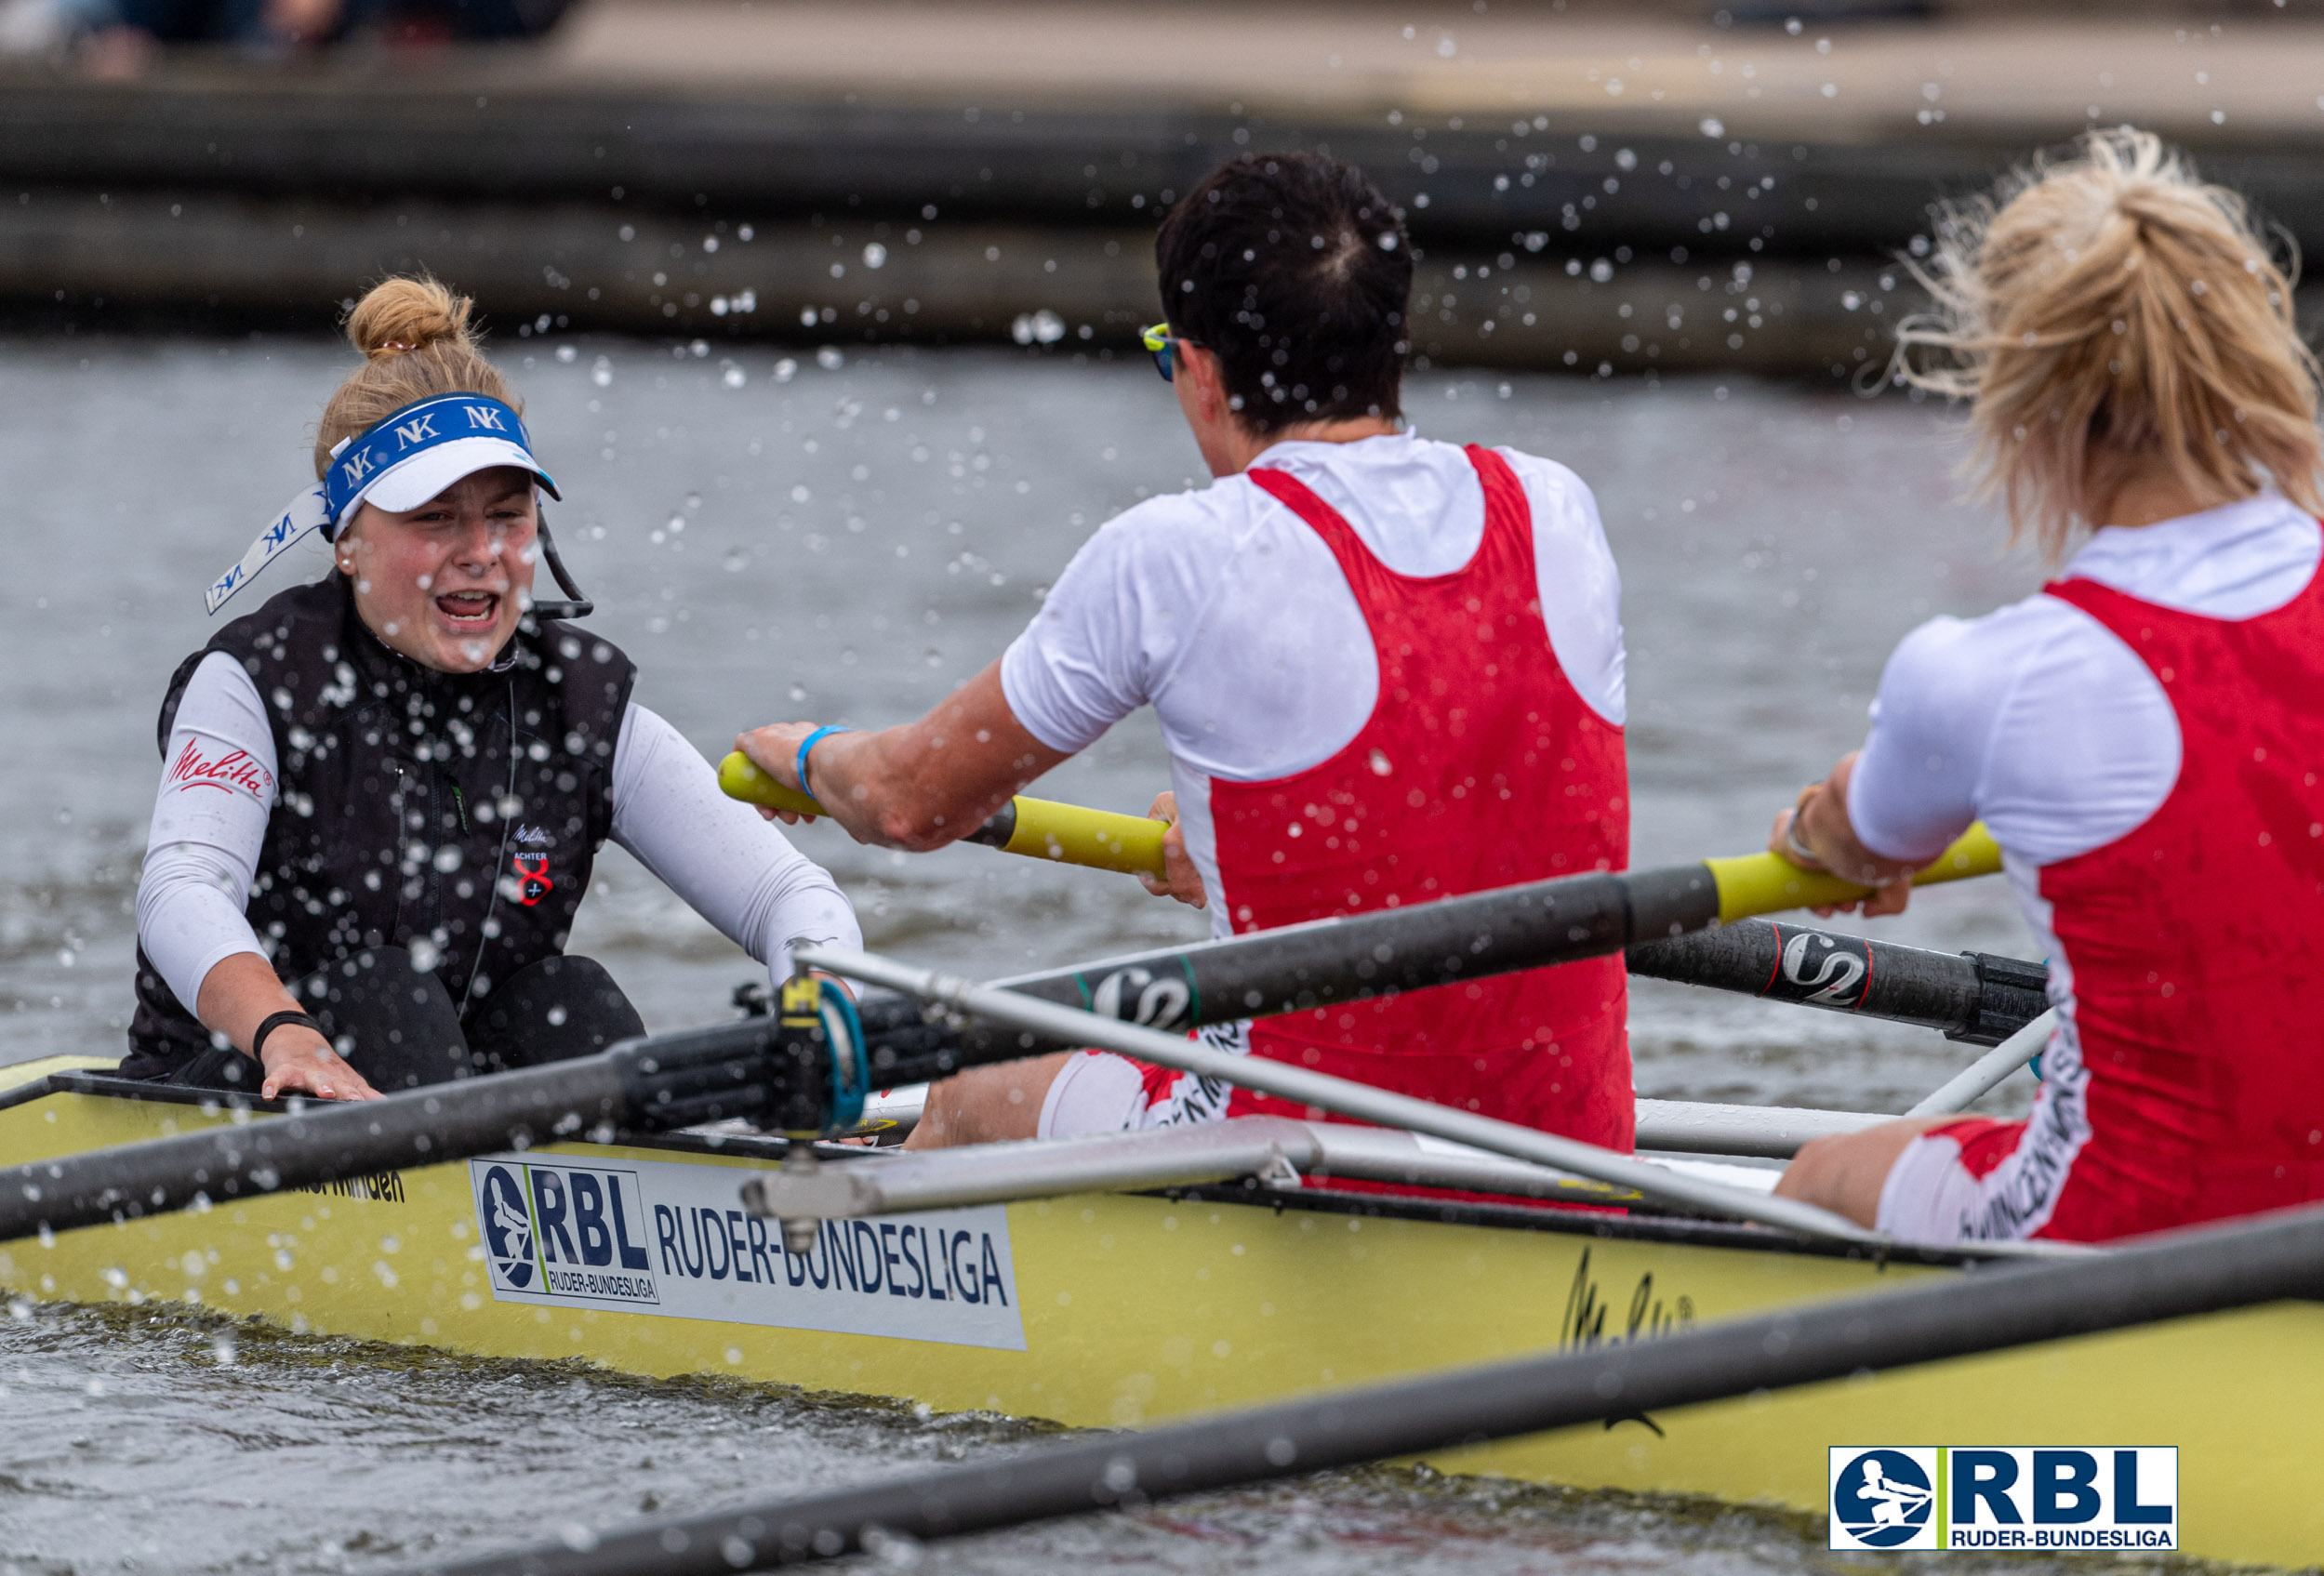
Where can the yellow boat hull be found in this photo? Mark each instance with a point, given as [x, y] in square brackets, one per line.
[1121, 1310]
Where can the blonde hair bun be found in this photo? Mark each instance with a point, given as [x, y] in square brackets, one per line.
[2109, 308]
[417, 344]
[397, 316]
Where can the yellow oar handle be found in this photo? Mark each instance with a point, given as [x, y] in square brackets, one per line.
[739, 777]
[1761, 883]
[1040, 829]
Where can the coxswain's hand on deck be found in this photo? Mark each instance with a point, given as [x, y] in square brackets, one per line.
[1179, 879]
[298, 1061]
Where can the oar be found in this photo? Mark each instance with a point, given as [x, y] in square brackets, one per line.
[2269, 1259]
[1978, 998]
[778, 1072]
[781, 1075]
[1761, 884]
[1044, 829]
[1302, 967]
[1039, 828]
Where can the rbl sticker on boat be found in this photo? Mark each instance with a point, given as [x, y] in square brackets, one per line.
[673, 1240]
[2004, 1497]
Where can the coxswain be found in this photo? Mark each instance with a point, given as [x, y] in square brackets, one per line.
[1389, 670]
[381, 792]
[2143, 736]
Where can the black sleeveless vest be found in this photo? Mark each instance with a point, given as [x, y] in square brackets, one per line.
[456, 814]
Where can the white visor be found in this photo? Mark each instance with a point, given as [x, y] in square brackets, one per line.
[410, 483]
[402, 463]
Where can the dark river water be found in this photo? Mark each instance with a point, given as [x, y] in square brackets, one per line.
[777, 534]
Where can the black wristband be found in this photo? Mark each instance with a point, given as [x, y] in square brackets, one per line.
[267, 1026]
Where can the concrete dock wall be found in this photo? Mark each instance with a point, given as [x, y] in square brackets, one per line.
[671, 169]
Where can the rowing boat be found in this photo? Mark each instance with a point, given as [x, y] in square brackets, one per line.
[1122, 1304]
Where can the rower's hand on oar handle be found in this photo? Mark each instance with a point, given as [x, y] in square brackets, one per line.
[300, 1060]
[763, 772]
[1179, 878]
[1815, 834]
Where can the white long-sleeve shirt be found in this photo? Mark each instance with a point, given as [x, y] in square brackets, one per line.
[2038, 720]
[219, 790]
[1228, 615]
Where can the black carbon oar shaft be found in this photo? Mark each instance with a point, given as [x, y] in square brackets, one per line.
[1989, 1309]
[1973, 997]
[1301, 967]
[665, 1081]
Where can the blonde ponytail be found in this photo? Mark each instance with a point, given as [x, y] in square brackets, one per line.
[416, 342]
[2108, 308]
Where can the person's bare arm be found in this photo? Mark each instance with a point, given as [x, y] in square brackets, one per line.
[919, 786]
[240, 993]
[1818, 827]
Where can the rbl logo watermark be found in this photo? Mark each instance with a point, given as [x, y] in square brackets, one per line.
[2004, 1497]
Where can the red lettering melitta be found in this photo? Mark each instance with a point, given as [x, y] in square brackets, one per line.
[229, 772]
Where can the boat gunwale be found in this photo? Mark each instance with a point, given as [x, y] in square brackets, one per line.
[1603, 1225]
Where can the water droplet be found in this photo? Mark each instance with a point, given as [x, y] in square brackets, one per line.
[1044, 327]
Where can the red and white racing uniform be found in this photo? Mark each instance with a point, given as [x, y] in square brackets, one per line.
[2187, 1080]
[1478, 764]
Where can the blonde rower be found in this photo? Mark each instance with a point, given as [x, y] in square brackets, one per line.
[2144, 738]
[382, 791]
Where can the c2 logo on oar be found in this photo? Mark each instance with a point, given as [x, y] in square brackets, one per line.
[1136, 995]
[1818, 967]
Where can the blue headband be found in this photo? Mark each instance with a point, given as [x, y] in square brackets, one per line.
[402, 461]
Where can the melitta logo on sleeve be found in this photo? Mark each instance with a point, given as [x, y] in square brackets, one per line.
[231, 770]
[2005, 1497]
[673, 1240]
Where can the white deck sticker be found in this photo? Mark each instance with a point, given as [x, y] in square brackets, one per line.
[670, 1239]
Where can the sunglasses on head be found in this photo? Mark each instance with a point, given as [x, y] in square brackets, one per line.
[1159, 339]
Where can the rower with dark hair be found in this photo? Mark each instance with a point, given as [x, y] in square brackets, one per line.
[1389, 670]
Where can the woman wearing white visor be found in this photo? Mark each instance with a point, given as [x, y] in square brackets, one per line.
[381, 792]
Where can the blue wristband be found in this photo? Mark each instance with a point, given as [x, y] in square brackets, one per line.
[809, 743]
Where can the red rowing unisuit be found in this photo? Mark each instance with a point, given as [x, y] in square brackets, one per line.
[1480, 766]
[2195, 949]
